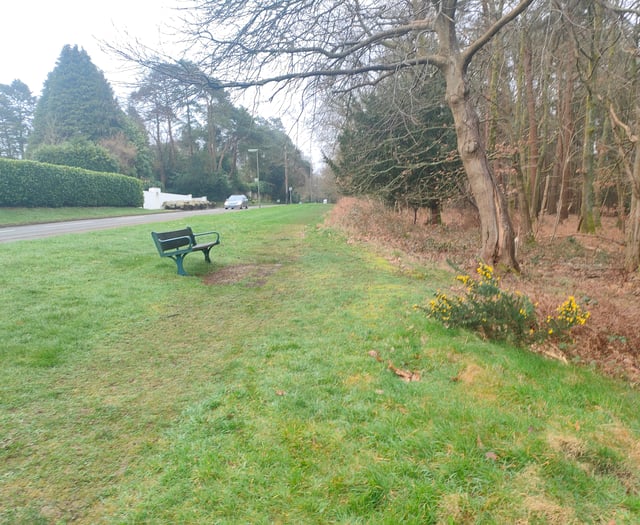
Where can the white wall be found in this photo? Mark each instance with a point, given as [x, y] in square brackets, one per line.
[154, 198]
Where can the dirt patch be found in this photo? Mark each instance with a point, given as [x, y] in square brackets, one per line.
[560, 263]
[251, 275]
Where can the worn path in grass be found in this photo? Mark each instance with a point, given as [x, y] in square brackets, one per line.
[259, 390]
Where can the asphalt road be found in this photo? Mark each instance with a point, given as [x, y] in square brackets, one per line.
[39, 231]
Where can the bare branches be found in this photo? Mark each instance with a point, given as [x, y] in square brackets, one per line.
[617, 122]
[479, 43]
[250, 43]
[621, 10]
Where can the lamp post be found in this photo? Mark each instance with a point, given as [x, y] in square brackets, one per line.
[257, 152]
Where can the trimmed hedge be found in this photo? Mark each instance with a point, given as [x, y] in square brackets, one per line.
[25, 183]
[79, 153]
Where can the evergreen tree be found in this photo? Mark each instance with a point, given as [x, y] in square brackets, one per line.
[401, 149]
[17, 105]
[78, 105]
[76, 101]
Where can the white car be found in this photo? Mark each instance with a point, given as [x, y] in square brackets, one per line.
[236, 201]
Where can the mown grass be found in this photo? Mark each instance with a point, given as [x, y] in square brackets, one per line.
[132, 395]
[20, 216]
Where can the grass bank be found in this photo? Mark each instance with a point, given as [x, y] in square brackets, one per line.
[20, 216]
[262, 390]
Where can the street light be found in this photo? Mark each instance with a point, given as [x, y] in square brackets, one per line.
[257, 152]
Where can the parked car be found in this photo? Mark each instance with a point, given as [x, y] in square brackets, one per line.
[236, 201]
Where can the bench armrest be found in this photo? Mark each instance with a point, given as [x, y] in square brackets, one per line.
[208, 233]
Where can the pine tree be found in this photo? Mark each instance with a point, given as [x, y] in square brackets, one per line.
[76, 101]
[78, 105]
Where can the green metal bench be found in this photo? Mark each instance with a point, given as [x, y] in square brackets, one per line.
[178, 244]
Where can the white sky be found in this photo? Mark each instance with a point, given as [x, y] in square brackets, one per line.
[33, 32]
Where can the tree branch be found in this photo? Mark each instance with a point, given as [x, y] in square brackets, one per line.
[619, 10]
[617, 122]
[480, 42]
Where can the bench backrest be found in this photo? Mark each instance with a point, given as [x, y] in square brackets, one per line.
[178, 238]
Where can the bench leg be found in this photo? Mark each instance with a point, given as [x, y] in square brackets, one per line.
[206, 254]
[178, 259]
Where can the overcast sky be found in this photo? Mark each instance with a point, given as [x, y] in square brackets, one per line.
[33, 32]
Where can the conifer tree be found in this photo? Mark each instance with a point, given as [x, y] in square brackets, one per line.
[78, 106]
[17, 105]
[76, 101]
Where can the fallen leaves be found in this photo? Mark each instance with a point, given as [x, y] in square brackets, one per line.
[405, 375]
[490, 454]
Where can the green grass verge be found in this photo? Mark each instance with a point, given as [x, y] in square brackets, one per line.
[21, 216]
[129, 394]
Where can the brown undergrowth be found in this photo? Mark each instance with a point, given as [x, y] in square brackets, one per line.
[559, 263]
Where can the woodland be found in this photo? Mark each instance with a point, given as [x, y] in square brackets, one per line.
[526, 109]
[168, 134]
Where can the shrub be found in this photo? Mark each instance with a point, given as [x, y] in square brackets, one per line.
[497, 314]
[34, 184]
[79, 154]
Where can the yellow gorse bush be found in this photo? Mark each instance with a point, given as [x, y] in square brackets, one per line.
[571, 313]
[499, 314]
[486, 272]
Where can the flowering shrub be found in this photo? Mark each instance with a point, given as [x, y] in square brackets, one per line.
[570, 314]
[498, 314]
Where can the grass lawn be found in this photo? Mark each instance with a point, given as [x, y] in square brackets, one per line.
[259, 390]
[19, 216]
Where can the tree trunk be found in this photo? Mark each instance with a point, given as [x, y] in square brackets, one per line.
[533, 152]
[497, 237]
[564, 157]
[435, 217]
[587, 217]
[632, 249]
[212, 146]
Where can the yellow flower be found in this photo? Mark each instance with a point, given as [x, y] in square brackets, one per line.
[464, 279]
[485, 271]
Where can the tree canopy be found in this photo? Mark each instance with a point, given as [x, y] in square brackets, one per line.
[400, 148]
[78, 106]
[200, 138]
[76, 101]
[17, 105]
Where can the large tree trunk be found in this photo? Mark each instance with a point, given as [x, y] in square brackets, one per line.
[632, 250]
[587, 222]
[497, 237]
[588, 219]
[632, 169]
[498, 242]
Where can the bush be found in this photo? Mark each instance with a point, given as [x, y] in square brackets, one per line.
[498, 314]
[79, 154]
[34, 184]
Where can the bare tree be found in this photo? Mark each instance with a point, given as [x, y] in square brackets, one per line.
[624, 112]
[348, 44]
